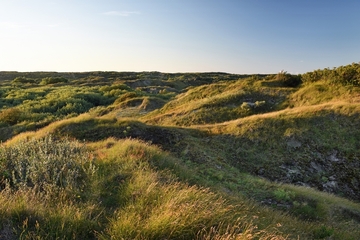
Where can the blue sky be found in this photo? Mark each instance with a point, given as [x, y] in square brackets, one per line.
[235, 36]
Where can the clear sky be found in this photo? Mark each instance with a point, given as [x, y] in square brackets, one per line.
[235, 36]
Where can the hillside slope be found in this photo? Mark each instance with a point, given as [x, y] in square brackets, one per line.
[180, 156]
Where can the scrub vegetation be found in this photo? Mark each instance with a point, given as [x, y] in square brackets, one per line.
[150, 155]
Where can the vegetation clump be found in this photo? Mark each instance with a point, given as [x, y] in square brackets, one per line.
[10, 116]
[287, 79]
[344, 75]
[52, 80]
[22, 80]
[45, 165]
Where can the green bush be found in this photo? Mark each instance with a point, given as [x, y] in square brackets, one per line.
[115, 87]
[323, 232]
[95, 99]
[10, 116]
[52, 80]
[288, 80]
[20, 80]
[307, 210]
[345, 75]
[283, 195]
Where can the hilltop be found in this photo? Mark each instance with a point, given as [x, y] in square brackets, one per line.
[180, 155]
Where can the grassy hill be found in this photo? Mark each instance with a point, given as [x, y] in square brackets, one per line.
[149, 155]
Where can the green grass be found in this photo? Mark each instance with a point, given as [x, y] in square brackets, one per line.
[219, 102]
[136, 193]
[126, 196]
[178, 156]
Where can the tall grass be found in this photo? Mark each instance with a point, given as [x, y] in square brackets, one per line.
[24, 215]
[237, 231]
[155, 204]
[321, 92]
[204, 186]
[44, 183]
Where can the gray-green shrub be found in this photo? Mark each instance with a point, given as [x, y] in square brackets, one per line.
[46, 165]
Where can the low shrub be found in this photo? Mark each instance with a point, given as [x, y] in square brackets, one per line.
[52, 80]
[22, 80]
[10, 116]
[45, 165]
[344, 75]
[323, 232]
[288, 80]
[283, 195]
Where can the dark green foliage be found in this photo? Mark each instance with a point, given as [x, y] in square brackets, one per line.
[323, 232]
[345, 75]
[96, 99]
[306, 209]
[288, 80]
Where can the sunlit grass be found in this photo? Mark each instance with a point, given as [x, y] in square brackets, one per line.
[28, 216]
[130, 196]
[156, 204]
[210, 180]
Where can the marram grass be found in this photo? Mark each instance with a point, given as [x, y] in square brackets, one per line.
[205, 185]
